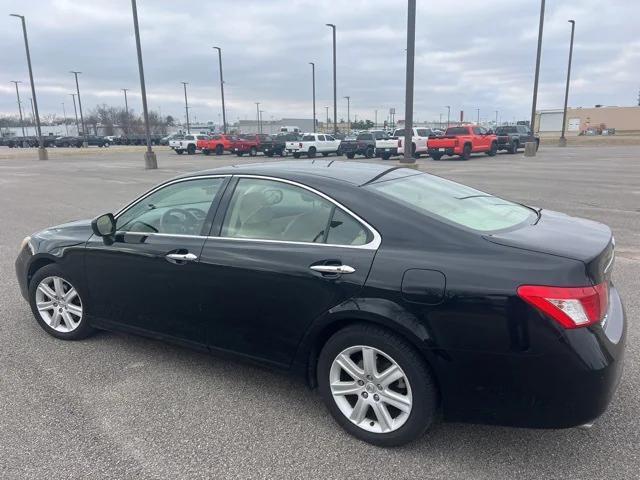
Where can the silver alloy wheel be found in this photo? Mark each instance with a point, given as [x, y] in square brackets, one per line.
[59, 304]
[370, 389]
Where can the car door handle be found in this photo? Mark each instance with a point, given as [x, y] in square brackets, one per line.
[181, 257]
[335, 269]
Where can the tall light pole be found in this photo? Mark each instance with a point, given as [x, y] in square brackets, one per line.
[84, 130]
[150, 160]
[260, 113]
[313, 88]
[186, 105]
[75, 111]
[126, 109]
[375, 117]
[335, 90]
[496, 118]
[478, 119]
[563, 140]
[224, 114]
[33, 112]
[64, 113]
[348, 113]
[327, 124]
[42, 152]
[537, 74]
[408, 103]
[448, 115]
[16, 82]
[258, 117]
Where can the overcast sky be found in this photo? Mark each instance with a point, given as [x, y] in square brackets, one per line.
[469, 54]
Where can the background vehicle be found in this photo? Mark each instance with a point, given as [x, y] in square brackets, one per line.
[248, 144]
[217, 144]
[368, 144]
[463, 141]
[187, 144]
[513, 137]
[419, 139]
[138, 139]
[279, 146]
[312, 144]
[77, 141]
[444, 298]
[174, 136]
[287, 129]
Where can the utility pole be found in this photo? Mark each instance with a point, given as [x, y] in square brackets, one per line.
[375, 123]
[537, 74]
[64, 113]
[16, 82]
[313, 87]
[33, 112]
[224, 114]
[563, 140]
[496, 118]
[335, 90]
[126, 109]
[448, 115]
[150, 160]
[260, 113]
[478, 120]
[186, 106]
[42, 152]
[348, 113]
[408, 103]
[258, 117]
[327, 124]
[84, 130]
[75, 111]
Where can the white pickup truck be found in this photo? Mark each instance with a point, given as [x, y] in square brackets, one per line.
[420, 138]
[312, 144]
[188, 143]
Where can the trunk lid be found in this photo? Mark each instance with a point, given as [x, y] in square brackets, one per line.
[559, 234]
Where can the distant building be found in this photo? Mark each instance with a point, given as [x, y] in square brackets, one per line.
[622, 119]
[272, 127]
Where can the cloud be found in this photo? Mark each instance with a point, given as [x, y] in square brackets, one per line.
[480, 56]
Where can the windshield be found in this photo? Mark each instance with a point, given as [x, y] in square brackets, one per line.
[452, 201]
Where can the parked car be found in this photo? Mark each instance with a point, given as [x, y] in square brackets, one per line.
[246, 144]
[20, 142]
[187, 144]
[463, 141]
[218, 144]
[402, 296]
[279, 145]
[289, 129]
[313, 143]
[512, 137]
[174, 136]
[368, 144]
[419, 140]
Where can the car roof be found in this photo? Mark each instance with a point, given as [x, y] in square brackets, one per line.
[356, 173]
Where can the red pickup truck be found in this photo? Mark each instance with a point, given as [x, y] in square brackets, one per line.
[217, 144]
[463, 141]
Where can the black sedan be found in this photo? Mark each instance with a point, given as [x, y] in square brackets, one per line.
[399, 295]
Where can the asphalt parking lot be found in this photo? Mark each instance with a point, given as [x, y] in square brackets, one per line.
[118, 406]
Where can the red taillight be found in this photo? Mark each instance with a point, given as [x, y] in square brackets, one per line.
[300, 145]
[571, 307]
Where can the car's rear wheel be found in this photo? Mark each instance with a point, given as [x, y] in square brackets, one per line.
[369, 152]
[57, 304]
[312, 152]
[386, 156]
[376, 386]
[253, 151]
[191, 149]
[219, 149]
[436, 156]
[179, 152]
[493, 150]
[514, 147]
[350, 155]
[283, 153]
[296, 155]
[466, 152]
[206, 151]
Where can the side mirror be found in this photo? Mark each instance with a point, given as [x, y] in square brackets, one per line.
[104, 225]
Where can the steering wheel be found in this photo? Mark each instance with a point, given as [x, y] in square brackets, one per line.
[273, 196]
[178, 220]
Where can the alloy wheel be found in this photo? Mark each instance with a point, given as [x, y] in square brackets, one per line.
[59, 304]
[370, 389]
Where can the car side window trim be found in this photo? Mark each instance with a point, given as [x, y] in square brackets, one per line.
[223, 208]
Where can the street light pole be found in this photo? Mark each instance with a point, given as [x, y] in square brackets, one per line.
[260, 113]
[496, 118]
[258, 117]
[126, 109]
[42, 152]
[75, 111]
[327, 124]
[348, 113]
[224, 114]
[84, 131]
[64, 113]
[313, 86]
[335, 90]
[186, 105]
[150, 160]
[16, 82]
[537, 74]
[563, 140]
[408, 103]
[448, 115]
[375, 121]
[478, 120]
[33, 112]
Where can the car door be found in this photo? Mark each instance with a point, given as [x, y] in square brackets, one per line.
[146, 277]
[280, 255]
[334, 144]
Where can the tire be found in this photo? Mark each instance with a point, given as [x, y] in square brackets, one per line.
[419, 391]
[350, 156]
[369, 152]
[191, 149]
[494, 149]
[514, 147]
[239, 154]
[413, 151]
[312, 152]
[106, 144]
[269, 153]
[206, 151]
[284, 153]
[296, 155]
[325, 154]
[436, 156]
[386, 156]
[466, 152]
[62, 323]
[253, 151]
[219, 150]
[537, 145]
[179, 152]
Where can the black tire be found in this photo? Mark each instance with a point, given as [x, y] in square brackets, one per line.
[436, 156]
[296, 155]
[179, 152]
[369, 152]
[206, 151]
[325, 154]
[191, 149]
[386, 156]
[494, 149]
[312, 152]
[83, 330]
[423, 389]
[514, 147]
[466, 152]
[413, 151]
[537, 145]
[269, 153]
[283, 153]
[350, 156]
[239, 154]
[219, 150]
[253, 151]
[107, 144]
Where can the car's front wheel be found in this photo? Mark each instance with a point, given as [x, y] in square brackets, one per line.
[376, 386]
[58, 305]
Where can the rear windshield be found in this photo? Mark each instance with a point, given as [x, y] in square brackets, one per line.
[501, 130]
[364, 136]
[453, 202]
[308, 138]
[424, 132]
[457, 131]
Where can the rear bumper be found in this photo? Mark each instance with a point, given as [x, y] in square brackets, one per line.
[390, 150]
[442, 151]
